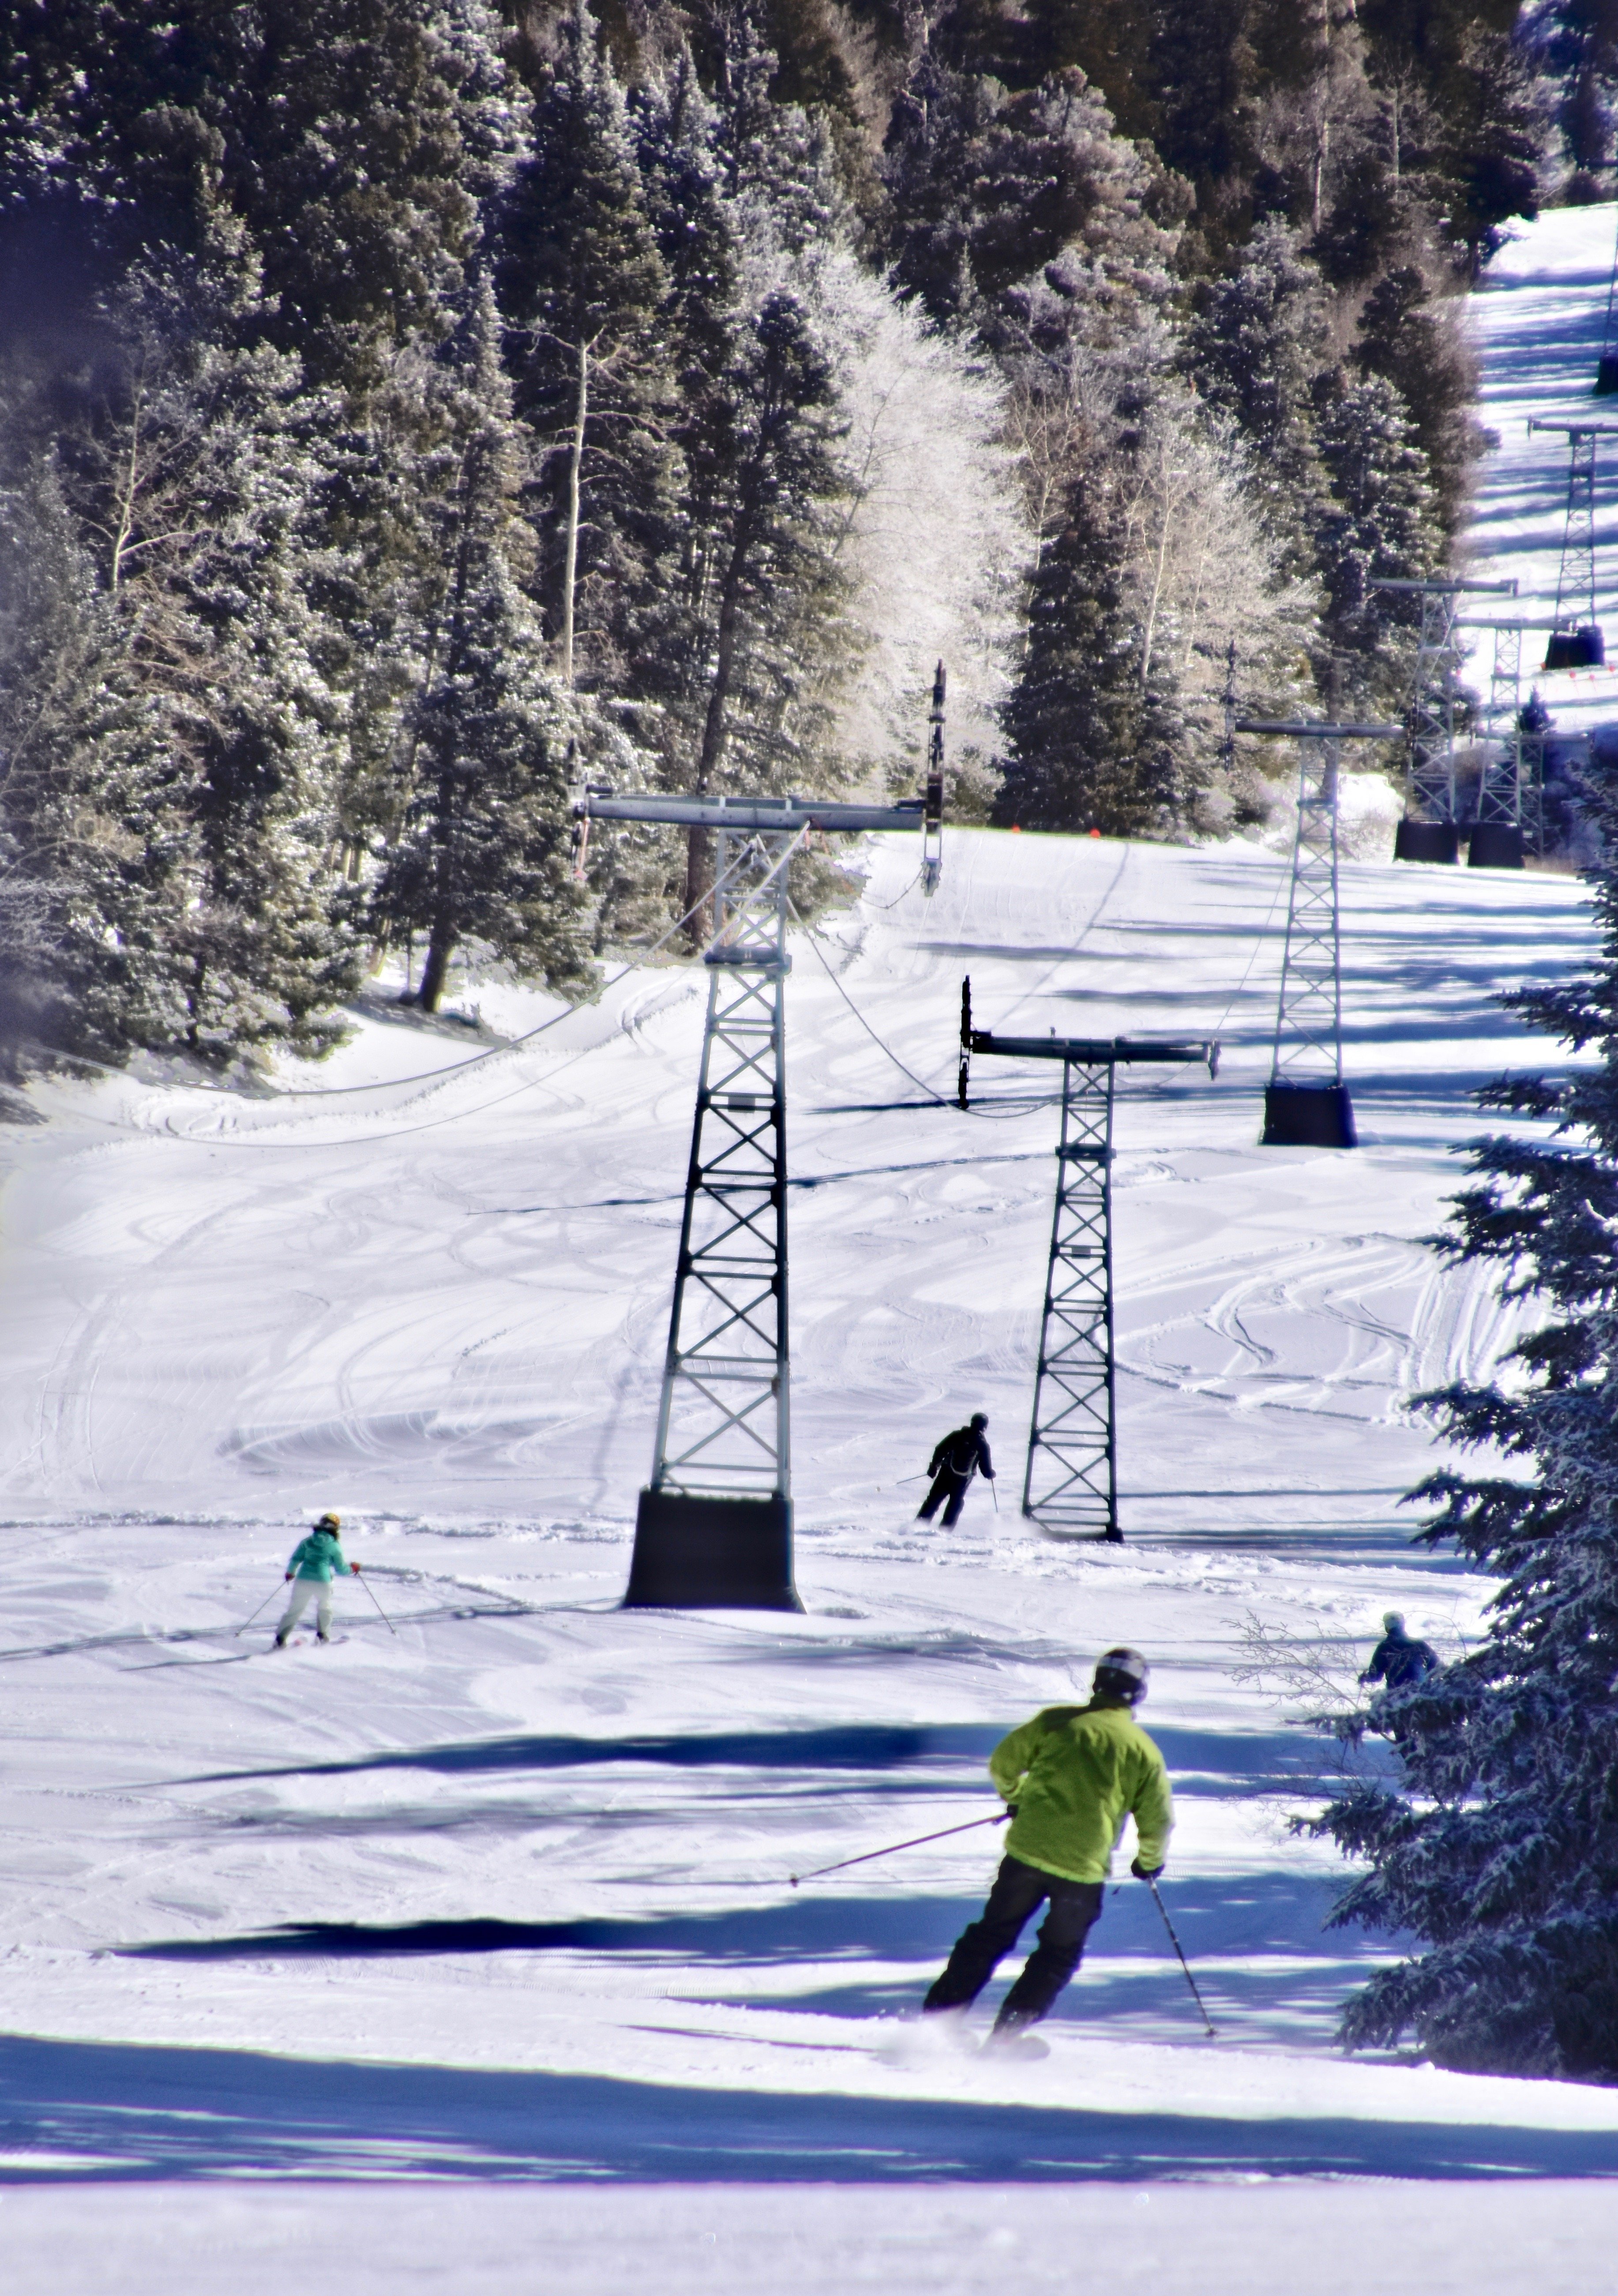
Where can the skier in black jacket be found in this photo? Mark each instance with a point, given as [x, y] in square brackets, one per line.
[1398, 1660]
[953, 1466]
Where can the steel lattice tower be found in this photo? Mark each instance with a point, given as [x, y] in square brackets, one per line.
[1070, 1484]
[714, 1528]
[1428, 832]
[724, 1417]
[1306, 1102]
[1575, 643]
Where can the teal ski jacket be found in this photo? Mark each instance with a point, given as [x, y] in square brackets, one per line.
[318, 1556]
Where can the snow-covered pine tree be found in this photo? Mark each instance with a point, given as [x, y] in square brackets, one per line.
[1255, 352]
[582, 284]
[1092, 745]
[1497, 1842]
[179, 463]
[482, 850]
[1379, 521]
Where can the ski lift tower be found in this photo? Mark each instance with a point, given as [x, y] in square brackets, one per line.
[1428, 831]
[1511, 795]
[1070, 1485]
[714, 1527]
[1575, 645]
[1306, 1101]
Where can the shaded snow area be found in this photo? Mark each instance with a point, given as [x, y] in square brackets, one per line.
[1538, 323]
[466, 1954]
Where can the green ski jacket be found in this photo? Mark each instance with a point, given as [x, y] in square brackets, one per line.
[1072, 1775]
[317, 1556]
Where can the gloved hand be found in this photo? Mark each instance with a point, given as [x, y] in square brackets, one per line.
[1145, 1873]
[355, 1567]
[288, 1577]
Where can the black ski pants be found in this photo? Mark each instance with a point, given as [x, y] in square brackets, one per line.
[947, 1484]
[1019, 1892]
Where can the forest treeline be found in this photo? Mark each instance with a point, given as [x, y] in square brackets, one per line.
[410, 407]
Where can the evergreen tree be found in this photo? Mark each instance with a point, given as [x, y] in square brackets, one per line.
[1092, 742]
[482, 851]
[1256, 352]
[1404, 336]
[180, 471]
[582, 283]
[1379, 522]
[1496, 1842]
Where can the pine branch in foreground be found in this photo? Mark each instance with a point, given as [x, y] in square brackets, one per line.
[1498, 1846]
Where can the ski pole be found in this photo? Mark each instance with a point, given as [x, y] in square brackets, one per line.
[994, 1493]
[1184, 1963]
[381, 1613]
[265, 1605]
[914, 1843]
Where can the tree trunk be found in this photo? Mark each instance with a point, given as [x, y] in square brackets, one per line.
[435, 972]
[700, 843]
[581, 412]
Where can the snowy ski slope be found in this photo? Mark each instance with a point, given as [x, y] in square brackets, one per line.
[495, 1909]
[1538, 323]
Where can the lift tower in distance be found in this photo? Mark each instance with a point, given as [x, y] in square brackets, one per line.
[1510, 821]
[1070, 1485]
[1428, 831]
[714, 1526]
[1576, 644]
[1306, 1101]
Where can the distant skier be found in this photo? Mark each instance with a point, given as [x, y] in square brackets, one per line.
[1398, 1660]
[953, 1465]
[311, 1565]
[1071, 1777]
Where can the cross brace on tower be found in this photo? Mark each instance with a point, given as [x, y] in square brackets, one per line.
[1306, 1101]
[714, 1526]
[1070, 1484]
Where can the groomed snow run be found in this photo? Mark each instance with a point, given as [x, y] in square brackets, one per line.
[465, 1954]
[1538, 321]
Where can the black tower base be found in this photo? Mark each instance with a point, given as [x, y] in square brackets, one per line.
[1606, 377]
[1426, 840]
[1496, 845]
[712, 1555]
[1308, 1116]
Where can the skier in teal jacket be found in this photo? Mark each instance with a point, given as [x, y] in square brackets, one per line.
[310, 1567]
[1072, 1777]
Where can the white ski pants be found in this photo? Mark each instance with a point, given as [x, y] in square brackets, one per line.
[303, 1592]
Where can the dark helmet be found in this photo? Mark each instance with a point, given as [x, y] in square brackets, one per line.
[331, 1522]
[980, 1419]
[1122, 1673]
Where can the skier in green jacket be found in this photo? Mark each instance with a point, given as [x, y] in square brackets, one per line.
[311, 1565]
[1071, 1775]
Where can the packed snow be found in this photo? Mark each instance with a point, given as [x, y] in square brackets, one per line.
[493, 1892]
[1539, 323]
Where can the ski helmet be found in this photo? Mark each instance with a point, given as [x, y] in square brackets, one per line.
[330, 1523]
[1393, 1622]
[1122, 1673]
[980, 1419]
